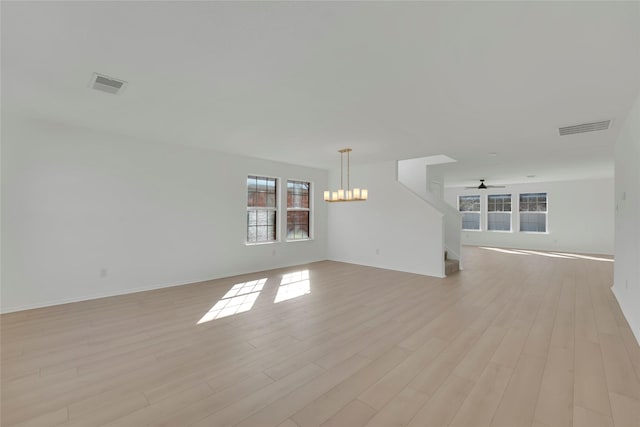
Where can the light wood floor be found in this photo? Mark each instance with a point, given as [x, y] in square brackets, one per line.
[513, 340]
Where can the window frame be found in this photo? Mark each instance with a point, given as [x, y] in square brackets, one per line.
[479, 212]
[546, 214]
[275, 209]
[510, 230]
[310, 234]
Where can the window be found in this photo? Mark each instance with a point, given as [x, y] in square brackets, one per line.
[298, 211]
[262, 209]
[533, 212]
[470, 208]
[499, 212]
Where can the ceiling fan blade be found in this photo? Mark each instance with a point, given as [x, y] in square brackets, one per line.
[496, 186]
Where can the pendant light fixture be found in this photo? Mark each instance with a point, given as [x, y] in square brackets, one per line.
[348, 195]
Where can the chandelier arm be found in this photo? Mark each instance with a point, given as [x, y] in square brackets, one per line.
[341, 169]
[348, 171]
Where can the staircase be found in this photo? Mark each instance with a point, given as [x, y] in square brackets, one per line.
[424, 176]
[450, 265]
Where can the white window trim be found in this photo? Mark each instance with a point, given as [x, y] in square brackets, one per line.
[510, 213]
[276, 209]
[546, 219]
[310, 210]
[478, 212]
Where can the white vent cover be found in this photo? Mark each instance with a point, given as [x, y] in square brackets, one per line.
[585, 127]
[107, 84]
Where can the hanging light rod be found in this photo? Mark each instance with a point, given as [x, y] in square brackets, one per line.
[348, 195]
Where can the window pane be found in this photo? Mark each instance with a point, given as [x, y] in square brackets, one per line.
[262, 234]
[533, 202]
[499, 202]
[298, 194]
[297, 225]
[261, 192]
[499, 221]
[251, 183]
[261, 223]
[533, 221]
[262, 217]
[270, 200]
[469, 203]
[470, 221]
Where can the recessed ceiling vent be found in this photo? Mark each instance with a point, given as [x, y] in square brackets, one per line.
[107, 84]
[585, 127]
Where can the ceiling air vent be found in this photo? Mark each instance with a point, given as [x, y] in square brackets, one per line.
[107, 84]
[585, 127]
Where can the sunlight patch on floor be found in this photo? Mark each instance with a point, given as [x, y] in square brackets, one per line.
[293, 285]
[563, 255]
[592, 258]
[238, 299]
[505, 251]
[550, 255]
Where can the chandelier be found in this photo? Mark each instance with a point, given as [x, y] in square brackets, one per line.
[348, 195]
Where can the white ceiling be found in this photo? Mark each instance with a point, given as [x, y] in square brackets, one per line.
[297, 81]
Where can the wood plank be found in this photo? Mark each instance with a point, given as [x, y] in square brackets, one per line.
[478, 408]
[400, 410]
[555, 401]
[285, 406]
[321, 409]
[519, 400]
[159, 412]
[590, 384]
[443, 406]
[583, 417]
[618, 368]
[236, 411]
[354, 414]
[626, 410]
[380, 393]
[196, 410]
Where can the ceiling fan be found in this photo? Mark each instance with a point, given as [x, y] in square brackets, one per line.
[483, 186]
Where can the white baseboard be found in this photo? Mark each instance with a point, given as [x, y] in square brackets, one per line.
[5, 310]
[92, 297]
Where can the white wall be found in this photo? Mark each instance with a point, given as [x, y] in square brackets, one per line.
[422, 178]
[394, 229]
[78, 203]
[580, 217]
[627, 231]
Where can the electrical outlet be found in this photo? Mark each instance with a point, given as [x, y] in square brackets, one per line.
[626, 284]
[103, 272]
[377, 251]
[273, 252]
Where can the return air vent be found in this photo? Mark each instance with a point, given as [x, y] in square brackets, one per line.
[585, 127]
[107, 84]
